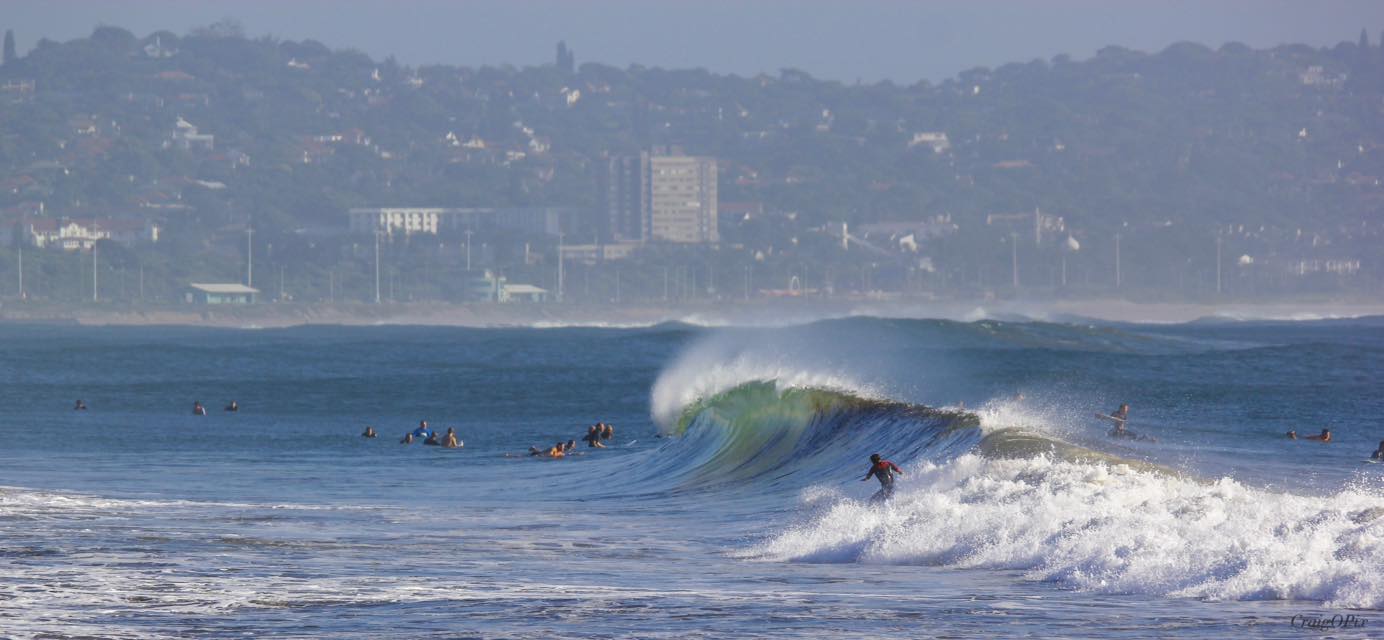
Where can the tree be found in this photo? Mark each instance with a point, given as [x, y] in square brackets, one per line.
[1364, 41]
[9, 47]
[566, 60]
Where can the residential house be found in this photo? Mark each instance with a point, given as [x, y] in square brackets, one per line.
[185, 136]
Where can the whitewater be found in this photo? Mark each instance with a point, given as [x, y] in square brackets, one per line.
[729, 503]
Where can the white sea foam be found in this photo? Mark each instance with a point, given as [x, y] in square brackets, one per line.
[23, 502]
[1108, 529]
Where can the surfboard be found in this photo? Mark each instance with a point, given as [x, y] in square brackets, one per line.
[1103, 416]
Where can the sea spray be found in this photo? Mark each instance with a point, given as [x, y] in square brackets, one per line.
[1109, 529]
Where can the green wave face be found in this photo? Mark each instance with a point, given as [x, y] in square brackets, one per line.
[760, 435]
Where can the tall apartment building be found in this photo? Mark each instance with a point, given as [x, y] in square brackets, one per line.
[625, 198]
[682, 199]
[661, 197]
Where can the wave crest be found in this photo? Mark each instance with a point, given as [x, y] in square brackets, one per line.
[1109, 528]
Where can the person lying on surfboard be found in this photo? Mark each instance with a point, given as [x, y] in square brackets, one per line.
[1324, 436]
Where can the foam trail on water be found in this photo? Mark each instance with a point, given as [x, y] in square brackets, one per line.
[1110, 529]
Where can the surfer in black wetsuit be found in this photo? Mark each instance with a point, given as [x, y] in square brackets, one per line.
[1378, 453]
[368, 433]
[1119, 417]
[884, 471]
[593, 438]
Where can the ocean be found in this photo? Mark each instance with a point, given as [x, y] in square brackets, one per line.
[728, 503]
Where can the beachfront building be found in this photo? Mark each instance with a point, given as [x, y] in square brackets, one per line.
[83, 234]
[493, 287]
[208, 294]
[522, 293]
[408, 221]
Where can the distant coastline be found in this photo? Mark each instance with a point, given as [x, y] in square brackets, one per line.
[743, 313]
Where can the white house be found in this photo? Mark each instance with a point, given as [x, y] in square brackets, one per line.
[185, 136]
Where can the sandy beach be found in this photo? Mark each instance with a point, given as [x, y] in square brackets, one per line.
[749, 313]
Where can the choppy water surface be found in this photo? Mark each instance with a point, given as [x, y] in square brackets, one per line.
[1018, 515]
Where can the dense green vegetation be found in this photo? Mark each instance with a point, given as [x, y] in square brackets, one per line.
[1279, 153]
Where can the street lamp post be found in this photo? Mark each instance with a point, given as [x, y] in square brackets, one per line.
[249, 257]
[1117, 261]
[468, 250]
[1014, 257]
[560, 275]
[1218, 263]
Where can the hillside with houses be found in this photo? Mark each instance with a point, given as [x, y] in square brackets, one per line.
[1188, 173]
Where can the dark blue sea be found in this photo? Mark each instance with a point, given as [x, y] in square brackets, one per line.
[727, 504]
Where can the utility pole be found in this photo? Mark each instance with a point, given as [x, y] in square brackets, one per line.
[1117, 261]
[331, 286]
[747, 282]
[665, 284]
[21, 272]
[95, 297]
[377, 266]
[141, 282]
[281, 283]
[249, 257]
[617, 285]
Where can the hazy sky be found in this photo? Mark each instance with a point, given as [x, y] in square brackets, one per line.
[898, 40]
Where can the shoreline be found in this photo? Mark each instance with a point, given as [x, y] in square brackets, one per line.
[765, 312]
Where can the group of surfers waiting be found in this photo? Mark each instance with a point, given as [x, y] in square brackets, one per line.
[197, 408]
[1325, 437]
[1121, 415]
[595, 438]
[424, 434]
